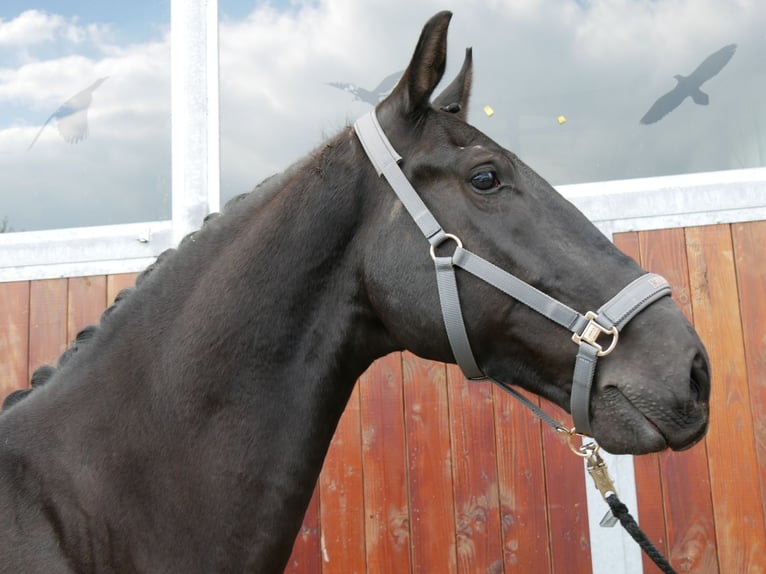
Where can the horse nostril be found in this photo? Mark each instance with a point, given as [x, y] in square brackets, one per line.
[699, 379]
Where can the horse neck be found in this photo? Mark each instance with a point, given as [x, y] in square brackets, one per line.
[273, 306]
[233, 361]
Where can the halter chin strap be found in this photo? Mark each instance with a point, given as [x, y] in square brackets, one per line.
[587, 330]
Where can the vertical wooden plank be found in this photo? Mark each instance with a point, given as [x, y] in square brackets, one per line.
[521, 478]
[306, 557]
[429, 464]
[47, 322]
[750, 256]
[475, 474]
[567, 502]
[14, 337]
[86, 300]
[739, 521]
[118, 282]
[628, 243]
[647, 467]
[386, 507]
[686, 484]
[341, 521]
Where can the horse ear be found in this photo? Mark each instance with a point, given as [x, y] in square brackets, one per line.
[455, 97]
[413, 92]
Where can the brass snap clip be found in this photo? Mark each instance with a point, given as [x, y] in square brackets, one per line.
[594, 463]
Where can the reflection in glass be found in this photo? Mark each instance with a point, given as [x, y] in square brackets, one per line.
[689, 86]
[78, 149]
[72, 116]
[564, 84]
[373, 96]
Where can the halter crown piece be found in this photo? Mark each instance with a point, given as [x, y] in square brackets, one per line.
[586, 329]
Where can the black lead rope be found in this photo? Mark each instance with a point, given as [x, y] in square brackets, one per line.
[622, 513]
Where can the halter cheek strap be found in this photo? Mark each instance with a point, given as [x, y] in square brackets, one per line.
[587, 330]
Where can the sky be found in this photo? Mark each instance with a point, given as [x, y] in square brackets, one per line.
[568, 81]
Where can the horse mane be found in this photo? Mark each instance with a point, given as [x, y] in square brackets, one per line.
[45, 373]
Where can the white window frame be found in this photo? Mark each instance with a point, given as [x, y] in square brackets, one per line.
[195, 171]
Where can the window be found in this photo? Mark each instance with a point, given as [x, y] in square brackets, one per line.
[564, 84]
[105, 204]
[84, 114]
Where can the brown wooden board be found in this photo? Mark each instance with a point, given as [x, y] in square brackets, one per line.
[739, 520]
[86, 300]
[647, 468]
[474, 467]
[14, 337]
[386, 508]
[47, 322]
[521, 479]
[750, 259]
[118, 282]
[429, 466]
[341, 498]
[306, 557]
[688, 508]
[569, 532]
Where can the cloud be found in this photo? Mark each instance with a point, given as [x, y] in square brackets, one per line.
[29, 28]
[35, 28]
[121, 172]
[599, 63]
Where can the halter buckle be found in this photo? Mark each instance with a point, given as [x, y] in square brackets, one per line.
[443, 239]
[592, 331]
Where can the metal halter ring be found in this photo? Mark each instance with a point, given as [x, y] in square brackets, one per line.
[586, 450]
[444, 238]
[592, 331]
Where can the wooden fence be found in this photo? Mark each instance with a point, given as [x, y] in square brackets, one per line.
[429, 473]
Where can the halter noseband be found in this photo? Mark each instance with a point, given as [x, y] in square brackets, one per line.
[586, 329]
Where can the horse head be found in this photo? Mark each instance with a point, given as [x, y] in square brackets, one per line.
[649, 394]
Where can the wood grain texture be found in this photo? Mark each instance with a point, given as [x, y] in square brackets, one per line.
[386, 506]
[86, 300]
[14, 337]
[734, 481]
[687, 503]
[477, 504]
[429, 465]
[521, 479]
[307, 554]
[569, 532]
[118, 282]
[749, 241]
[341, 495]
[47, 322]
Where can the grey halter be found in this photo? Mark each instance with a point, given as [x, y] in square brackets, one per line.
[586, 329]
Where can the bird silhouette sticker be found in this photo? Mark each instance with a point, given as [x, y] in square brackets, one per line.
[72, 116]
[689, 86]
[373, 96]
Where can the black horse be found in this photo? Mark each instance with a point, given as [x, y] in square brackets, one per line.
[186, 432]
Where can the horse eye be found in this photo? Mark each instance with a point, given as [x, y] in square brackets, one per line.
[485, 181]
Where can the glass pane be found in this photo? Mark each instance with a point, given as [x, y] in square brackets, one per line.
[84, 113]
[567, 82]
